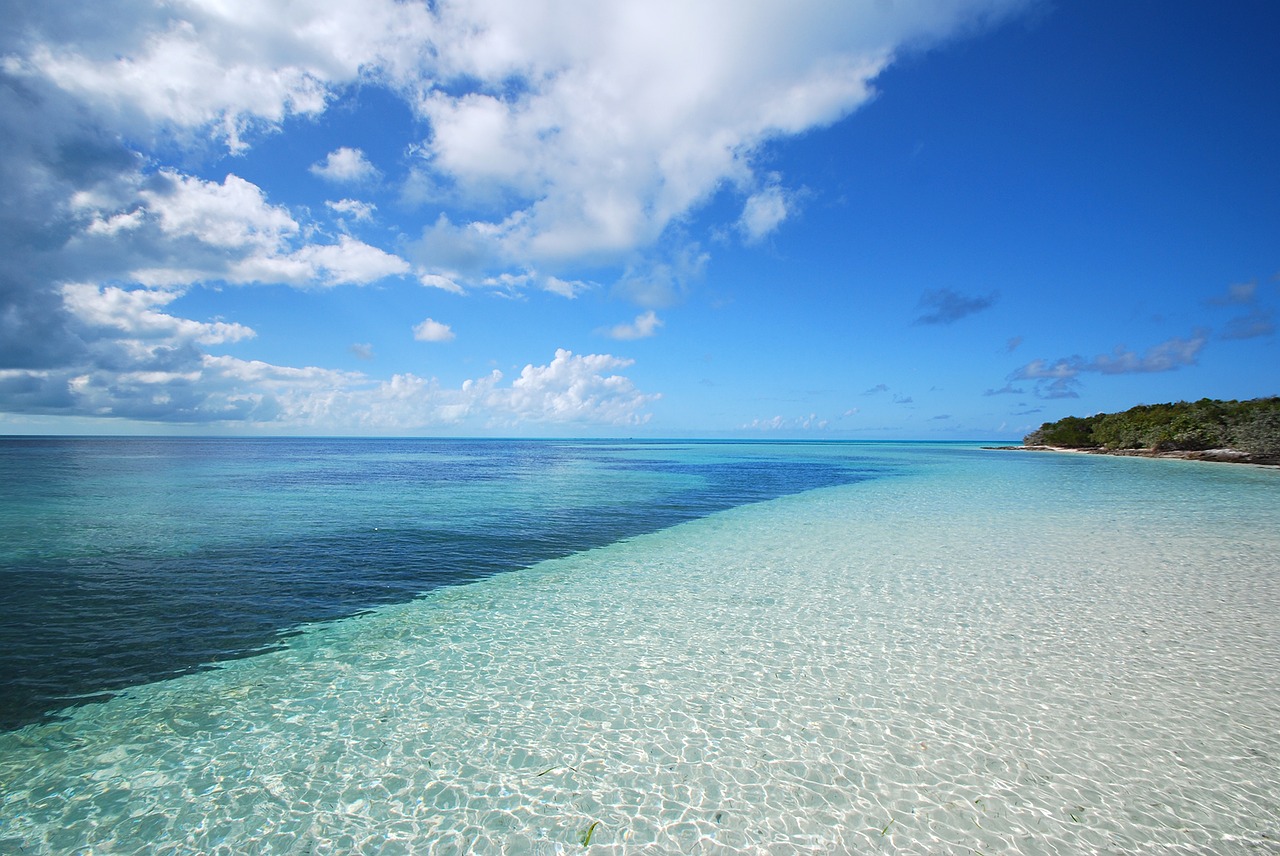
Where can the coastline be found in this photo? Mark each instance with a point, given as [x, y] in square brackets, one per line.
[1216, 456]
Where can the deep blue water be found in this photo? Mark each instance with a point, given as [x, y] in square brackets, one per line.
[127, 560]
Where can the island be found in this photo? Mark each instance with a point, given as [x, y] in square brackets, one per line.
[1245, 432]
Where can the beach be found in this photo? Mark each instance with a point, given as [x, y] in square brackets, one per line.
[1214, 456]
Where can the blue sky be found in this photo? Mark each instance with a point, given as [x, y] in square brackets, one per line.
[830, 220]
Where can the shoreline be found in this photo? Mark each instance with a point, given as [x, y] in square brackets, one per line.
[1215, 456]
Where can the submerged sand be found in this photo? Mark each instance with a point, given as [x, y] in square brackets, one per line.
[908, 665]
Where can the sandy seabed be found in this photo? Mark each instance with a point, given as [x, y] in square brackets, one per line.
[915, 665]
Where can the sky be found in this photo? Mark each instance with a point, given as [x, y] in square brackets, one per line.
[918, 219]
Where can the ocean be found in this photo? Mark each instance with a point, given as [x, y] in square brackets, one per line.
[425, 646]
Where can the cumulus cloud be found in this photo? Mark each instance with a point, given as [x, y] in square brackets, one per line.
[876, 390]
[348, 262]
[944, 306]
[134, 314]
[433, 331]
[208, 389]
[136, 360]
[567, 134]
[560, 119]
[605, 147]
[345, 166]
[233, 214]
[574, 388]
[643, 327]
[224, 70]
[583, 144]
[177, 229]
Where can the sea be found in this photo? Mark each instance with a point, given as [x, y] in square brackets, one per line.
[407, 646]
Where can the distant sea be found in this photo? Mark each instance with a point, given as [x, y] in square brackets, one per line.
[380, 646]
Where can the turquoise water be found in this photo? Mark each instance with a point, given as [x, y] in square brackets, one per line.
[129, 560]
[940, 649]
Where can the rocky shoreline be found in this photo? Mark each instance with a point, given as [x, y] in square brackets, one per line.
[1221, 456]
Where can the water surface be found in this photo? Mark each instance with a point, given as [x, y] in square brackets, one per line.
[973, 652]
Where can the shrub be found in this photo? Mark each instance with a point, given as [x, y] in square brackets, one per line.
[1257, 430]
[1251, 426]
[1073, 432]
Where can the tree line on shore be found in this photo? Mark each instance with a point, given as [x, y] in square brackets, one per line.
[1251, 426]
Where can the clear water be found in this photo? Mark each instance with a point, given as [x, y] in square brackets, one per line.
[123, 561]
[969, 651]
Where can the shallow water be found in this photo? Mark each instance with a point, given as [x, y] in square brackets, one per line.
[981, 652]
[125, 561]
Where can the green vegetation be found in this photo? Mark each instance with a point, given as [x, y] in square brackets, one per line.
[1252, 427]
[584, 837]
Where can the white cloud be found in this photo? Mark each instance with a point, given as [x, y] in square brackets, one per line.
[207, 389]
[233, 214]
[598, 148]
[572, 135]
[564, 288]
[778, 423]
[134, 314]
[224, 68]
[510, 283]
[433, 331]
[349, 262]
[353, 208]
[645, 325]
[125, 221]
[657, 283]
[762, 213]
[581, 131]
[345, 166]
[435, 280]
[174, 230]
[572, 388]
[456, 251]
